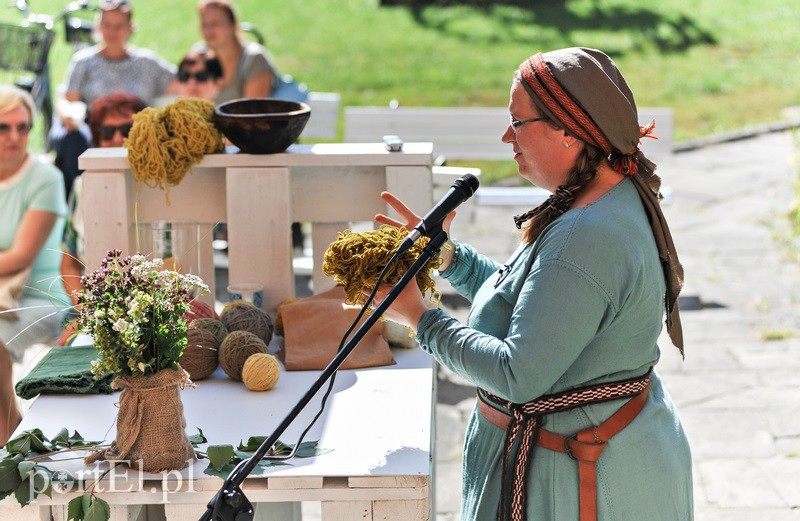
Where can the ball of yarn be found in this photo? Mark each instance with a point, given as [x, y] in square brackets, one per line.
[261, 372]
[279, 316]
[199, 309]
[213, 325]
[236, 349]
[244, 316]
[200, 357]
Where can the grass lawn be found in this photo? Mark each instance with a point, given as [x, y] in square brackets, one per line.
[719, 65]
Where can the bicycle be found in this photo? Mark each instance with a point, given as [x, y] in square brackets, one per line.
[25, 47]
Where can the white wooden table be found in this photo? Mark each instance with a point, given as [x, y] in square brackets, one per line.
[378, 423]
[258, 196]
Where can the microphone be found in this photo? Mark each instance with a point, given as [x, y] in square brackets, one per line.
[459, 192]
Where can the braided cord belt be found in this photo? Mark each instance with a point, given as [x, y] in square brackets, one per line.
[523, 433]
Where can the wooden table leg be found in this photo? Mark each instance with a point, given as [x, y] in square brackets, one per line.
[107, 215]
[396, 510]
[259, 231]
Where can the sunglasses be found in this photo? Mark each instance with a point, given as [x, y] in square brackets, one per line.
[201, 76]
[22, 129]
[107, 132]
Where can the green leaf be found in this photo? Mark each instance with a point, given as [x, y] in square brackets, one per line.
[75, 509]
[9, 473]
[309, 449]
[25, 468]
[5, 494]
[98, 511]
[24, 492]
[87, 502]
[61, 439]
[253, 443]
[38, 440]
[20, 445]
[197, 439]
[76, 438]
[220, 455]
[219, 473]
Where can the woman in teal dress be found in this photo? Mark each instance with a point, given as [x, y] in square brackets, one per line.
[575, 312]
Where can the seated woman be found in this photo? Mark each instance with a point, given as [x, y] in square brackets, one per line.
[110, 121]
[199, 76]
[109, 66]
[247, 67]
[32, 207]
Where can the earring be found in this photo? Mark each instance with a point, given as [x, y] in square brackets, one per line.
[566, 144]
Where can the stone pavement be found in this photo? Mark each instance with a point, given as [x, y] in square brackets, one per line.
[738, 394]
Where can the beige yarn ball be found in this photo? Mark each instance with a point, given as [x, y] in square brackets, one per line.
[200, 357]
[213, 325]
[236, 349]
[279, 316]
[261, 372]
[243, 316]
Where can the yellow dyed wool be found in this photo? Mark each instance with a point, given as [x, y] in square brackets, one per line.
[357, 259]
[165, 142]
[261, 372]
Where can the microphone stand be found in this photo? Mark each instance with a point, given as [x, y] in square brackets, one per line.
[230, 503]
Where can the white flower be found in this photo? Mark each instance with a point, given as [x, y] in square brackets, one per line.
[99, 313]
[142, 367]
[120, 325]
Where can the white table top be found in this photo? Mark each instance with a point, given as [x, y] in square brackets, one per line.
[377, 421]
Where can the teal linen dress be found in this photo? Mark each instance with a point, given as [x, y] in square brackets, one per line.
[580, 306]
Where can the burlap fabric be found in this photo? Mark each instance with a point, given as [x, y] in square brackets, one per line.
[151, 429]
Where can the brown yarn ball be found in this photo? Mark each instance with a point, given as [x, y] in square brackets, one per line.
[236, 349]
[213, 325]
[200, 357]
[279, 316]
[261, 372]
[244, 316]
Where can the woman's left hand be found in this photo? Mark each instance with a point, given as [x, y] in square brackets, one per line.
[407, 308]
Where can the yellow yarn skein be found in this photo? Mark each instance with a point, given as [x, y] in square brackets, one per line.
[357, 259]
[164, 143]
[261, 372]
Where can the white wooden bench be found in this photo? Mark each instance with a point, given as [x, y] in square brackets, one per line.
[474, 133]
[324, 118]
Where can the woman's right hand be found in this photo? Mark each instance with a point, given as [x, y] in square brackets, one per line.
[412, 219]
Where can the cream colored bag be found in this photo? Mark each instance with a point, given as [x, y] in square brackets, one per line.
[11, 289]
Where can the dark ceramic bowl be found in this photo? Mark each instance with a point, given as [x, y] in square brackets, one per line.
[262, 125]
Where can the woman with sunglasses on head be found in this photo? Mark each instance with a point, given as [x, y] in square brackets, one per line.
[111, 65]
[571, 422]
[247, 67]
[32, 209]
[199, 76]
[110, 121]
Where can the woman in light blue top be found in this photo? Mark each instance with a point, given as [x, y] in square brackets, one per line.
[32, 208]
[575, 313]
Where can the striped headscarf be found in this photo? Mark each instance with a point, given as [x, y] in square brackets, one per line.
[584, 91]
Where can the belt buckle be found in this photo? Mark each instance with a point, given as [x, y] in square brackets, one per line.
[567, 448]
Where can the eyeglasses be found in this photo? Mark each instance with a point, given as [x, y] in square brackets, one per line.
[107, 131]
[516, 123]
[201, 76]
[23, 129]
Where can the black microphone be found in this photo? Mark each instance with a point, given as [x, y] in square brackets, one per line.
[459, 192]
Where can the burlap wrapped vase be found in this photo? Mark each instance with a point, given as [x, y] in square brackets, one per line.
[151, 428]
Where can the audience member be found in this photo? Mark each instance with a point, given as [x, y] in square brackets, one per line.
[248, 68]
[32, 207]
[109, 66]
[199, 75]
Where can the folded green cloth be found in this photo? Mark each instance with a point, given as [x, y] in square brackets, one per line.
[64, 370]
